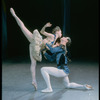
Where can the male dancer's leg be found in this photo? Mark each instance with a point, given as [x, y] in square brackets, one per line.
[75, 85]
[46, 71]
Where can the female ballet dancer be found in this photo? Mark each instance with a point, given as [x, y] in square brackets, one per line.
[62, 70]
[36, 43]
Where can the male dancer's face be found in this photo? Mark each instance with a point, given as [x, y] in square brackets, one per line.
[64, 40]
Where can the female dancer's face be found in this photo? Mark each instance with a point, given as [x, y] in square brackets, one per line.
[59, 33]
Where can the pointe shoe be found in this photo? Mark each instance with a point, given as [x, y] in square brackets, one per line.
[47, 90]
[35, 85]
[12, 11]
[88, 87]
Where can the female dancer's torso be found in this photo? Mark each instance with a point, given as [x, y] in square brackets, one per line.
[48, 40]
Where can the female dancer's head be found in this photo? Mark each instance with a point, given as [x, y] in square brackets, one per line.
[57, 31]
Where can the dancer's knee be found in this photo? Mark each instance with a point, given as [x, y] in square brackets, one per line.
[42, 69]
[67, 85]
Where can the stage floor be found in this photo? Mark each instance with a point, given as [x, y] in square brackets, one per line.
[16, 81]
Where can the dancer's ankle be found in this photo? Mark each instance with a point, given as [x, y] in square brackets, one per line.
[35, 85]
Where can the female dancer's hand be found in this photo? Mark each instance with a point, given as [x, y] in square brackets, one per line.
[12, 11]
[48, 24]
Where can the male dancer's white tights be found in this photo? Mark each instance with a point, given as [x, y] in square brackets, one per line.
[46, 71]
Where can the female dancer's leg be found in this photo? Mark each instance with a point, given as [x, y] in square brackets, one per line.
[32, 68]
[29, 36]
[25, 31]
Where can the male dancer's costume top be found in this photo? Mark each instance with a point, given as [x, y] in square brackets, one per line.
[61, 59]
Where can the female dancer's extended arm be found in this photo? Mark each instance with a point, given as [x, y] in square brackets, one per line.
[43, 32]
[26, 32]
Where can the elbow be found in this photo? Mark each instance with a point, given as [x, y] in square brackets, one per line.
[41, 32]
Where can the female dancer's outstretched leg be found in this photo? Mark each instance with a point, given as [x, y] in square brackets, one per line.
[29, 36]
[25, 31]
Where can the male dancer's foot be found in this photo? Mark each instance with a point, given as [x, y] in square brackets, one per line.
[88, 87]
[47, 90]
[35, 85]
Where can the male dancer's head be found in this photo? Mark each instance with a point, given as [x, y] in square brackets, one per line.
[65, 41]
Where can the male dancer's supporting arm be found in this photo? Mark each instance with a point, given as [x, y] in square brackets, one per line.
[55, 49]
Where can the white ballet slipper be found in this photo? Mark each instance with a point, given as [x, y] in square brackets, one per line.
[88, 87]
[47, 90]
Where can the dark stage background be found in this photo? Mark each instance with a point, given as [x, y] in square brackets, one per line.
[81, 25]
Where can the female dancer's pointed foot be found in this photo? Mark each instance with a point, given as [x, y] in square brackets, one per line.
[12, 11]
[88, 87]
[35, 85]
[47, 90]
